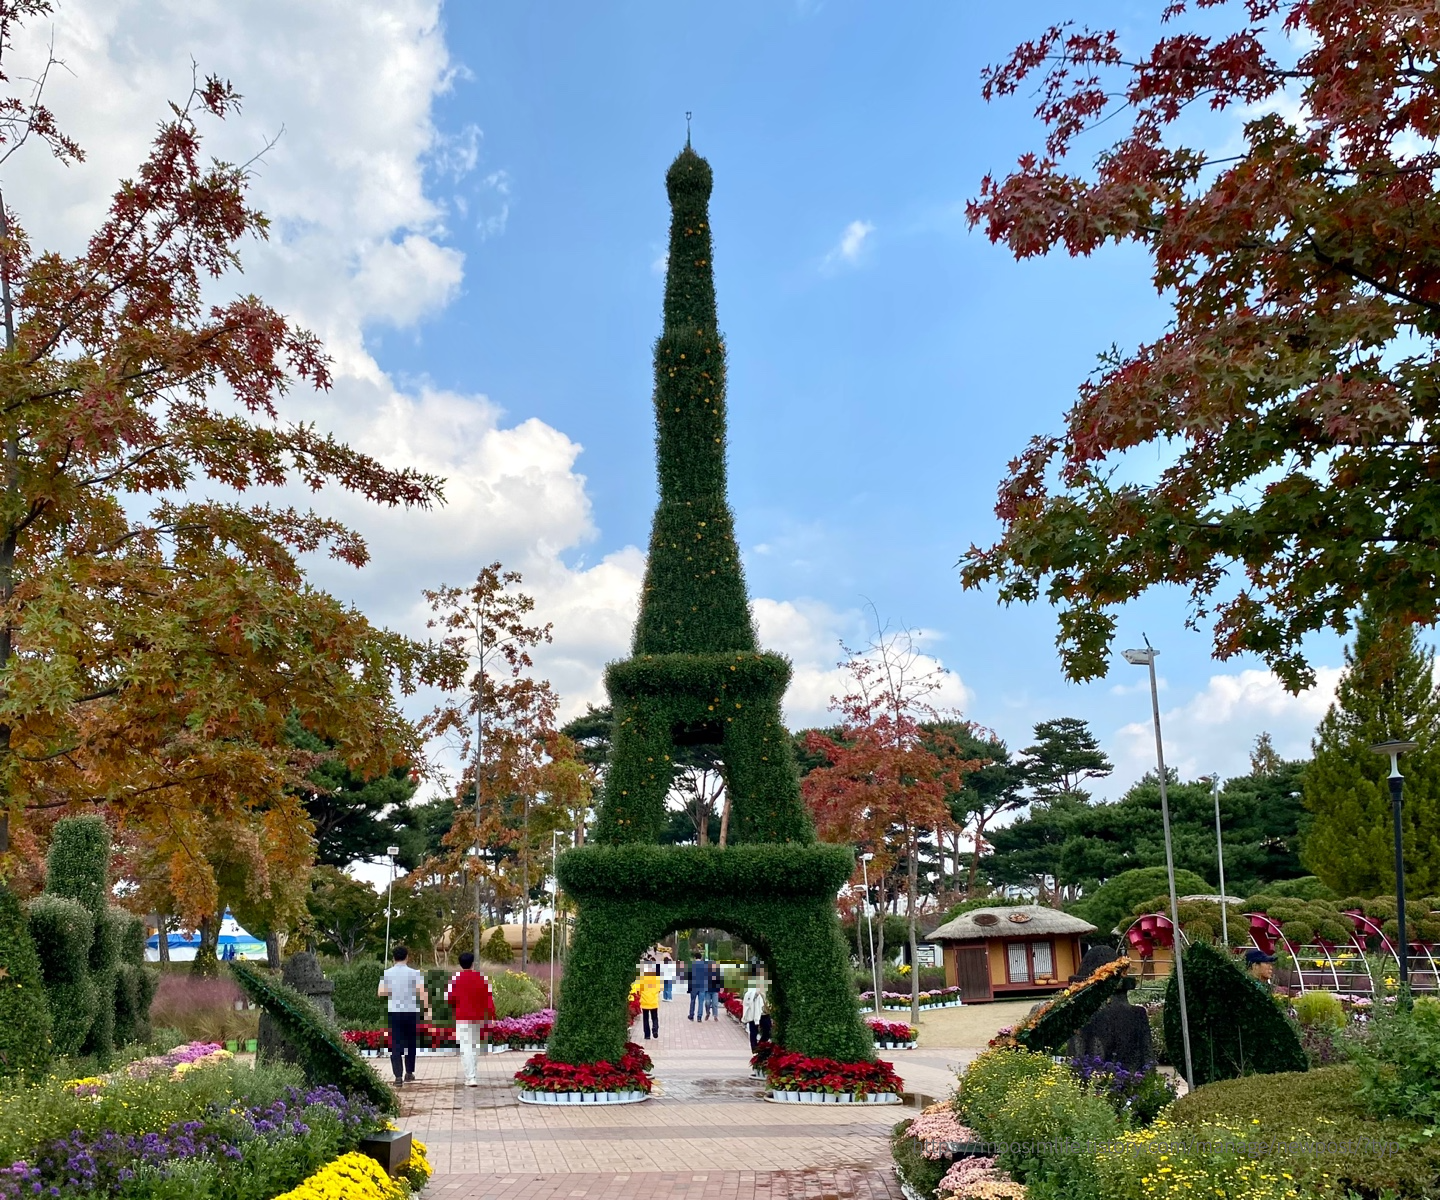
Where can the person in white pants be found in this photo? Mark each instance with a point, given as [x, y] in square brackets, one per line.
[470, 996]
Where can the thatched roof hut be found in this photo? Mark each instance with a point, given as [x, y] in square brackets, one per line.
[1010, 950]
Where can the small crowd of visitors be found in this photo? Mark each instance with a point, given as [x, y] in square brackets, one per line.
[655, 984]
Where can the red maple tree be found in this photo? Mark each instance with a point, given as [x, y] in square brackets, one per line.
[1293, 398]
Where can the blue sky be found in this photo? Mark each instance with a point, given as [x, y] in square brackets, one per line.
[469, 207]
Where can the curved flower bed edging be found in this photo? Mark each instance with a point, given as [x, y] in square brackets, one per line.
[587, 1098]
[778, 1097]
[357, 1176]
[894, 1045]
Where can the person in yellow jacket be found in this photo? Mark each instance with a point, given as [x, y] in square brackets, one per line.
[648, 987]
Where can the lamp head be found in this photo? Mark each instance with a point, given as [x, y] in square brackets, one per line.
[1394, 749]
[1140, 658]
[866, 857]
[392, 851]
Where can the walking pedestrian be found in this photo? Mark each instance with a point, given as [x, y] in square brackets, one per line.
[404, 988]
[667, 975]
[470, 996]
[648, 987]
[699, 984]
[753, 1012]
[713, 983]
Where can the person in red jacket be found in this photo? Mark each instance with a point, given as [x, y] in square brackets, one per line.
[469, 995]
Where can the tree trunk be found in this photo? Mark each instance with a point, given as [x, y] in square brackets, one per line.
[162, 938]
[206, 965]
[272, 950]
[725, 819]
[525, 889]
[912, 881]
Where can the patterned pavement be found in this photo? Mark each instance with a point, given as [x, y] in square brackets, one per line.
[707, 1133]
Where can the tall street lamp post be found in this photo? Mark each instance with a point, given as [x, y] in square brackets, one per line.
[870, 926]
[1146, 658]
[1397, 790]
[392, 851]
[1220, 855]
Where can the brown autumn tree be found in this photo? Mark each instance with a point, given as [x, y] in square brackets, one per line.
[1294, 395]
[499, 716]
[890, 768]
[156, 629]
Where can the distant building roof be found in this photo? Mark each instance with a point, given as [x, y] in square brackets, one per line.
[1021, 920]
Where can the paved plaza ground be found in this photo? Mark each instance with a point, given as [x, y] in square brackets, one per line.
[706, 1134]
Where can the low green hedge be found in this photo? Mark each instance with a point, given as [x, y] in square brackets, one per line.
[1317, 1124]
[324, 1055]
[355, 999]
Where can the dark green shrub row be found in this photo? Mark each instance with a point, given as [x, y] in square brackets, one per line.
[63, 930]
[323, 1054]
[355, 999]
[1236, 1028]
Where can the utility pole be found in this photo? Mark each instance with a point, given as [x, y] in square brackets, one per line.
[479, 766]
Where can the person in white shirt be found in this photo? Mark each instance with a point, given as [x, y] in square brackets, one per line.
[752, 1010]
[404, 987]
[667, 973]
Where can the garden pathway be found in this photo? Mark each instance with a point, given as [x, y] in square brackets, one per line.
[705, 1135]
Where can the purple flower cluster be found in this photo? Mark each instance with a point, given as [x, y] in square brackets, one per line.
[530, 1030]
[1139, 1094]
[164, 1064]
[87, 1163]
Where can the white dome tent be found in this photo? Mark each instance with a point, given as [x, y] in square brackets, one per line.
[234, 942]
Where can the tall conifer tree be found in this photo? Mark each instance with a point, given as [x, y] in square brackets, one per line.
[1387, 691]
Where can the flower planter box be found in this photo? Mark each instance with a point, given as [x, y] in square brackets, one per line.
[534, 1048]
[633, 1097]
[496, 1048]
[894, 1045]
[923, 1007]
[252, 1045]
[437, 1051]
[832, 1098]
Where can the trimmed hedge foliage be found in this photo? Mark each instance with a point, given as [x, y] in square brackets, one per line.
[631, 896]
[63, 931]
[78, 865]
[697, 678]
[323, 1054]
[1060, 1019]
[24, 1015]
[1236, 1028]
[354, 997]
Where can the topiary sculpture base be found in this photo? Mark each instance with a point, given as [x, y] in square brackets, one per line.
[778, 898]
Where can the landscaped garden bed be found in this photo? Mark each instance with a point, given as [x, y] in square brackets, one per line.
[947, 997]
[893, 1035]
[542, 1081]
[800, 1079]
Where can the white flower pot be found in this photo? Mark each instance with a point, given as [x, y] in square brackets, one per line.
[845, 1097]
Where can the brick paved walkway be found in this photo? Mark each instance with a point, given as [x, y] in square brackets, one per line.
[706, 1134]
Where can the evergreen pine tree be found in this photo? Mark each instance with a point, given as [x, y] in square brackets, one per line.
[1387, 691]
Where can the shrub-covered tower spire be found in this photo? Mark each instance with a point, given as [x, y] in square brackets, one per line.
[694, 598]
[696, 678]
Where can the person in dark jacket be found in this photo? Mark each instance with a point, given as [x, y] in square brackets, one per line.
[699, 979]
[712, 990]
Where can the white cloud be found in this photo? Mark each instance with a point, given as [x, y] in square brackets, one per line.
[810, 634]
[846, 252]
[1216, 728]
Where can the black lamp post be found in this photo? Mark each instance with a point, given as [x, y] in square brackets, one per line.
[1397, 789]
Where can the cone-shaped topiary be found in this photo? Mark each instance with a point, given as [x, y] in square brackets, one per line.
[697, 678]
[24, 1014]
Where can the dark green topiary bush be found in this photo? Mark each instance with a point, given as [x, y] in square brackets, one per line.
[63, 930]
[78, 865]
[1236, 1028]
[135, 983]
[495, 948]
[323, 1054]
[25, 1045]
[355, 1000]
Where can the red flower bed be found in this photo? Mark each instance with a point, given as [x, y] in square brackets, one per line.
[892, 1031]
[791, 1072]
[539, 1074]
[763, 1051]
[367, 1039]
[731, 1002]
[634, 1008]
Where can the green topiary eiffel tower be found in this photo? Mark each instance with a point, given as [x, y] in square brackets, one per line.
[696, 678]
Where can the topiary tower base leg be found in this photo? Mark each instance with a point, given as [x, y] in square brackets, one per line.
[779, 899]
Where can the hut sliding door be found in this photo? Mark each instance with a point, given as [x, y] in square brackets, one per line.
[972, 973]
